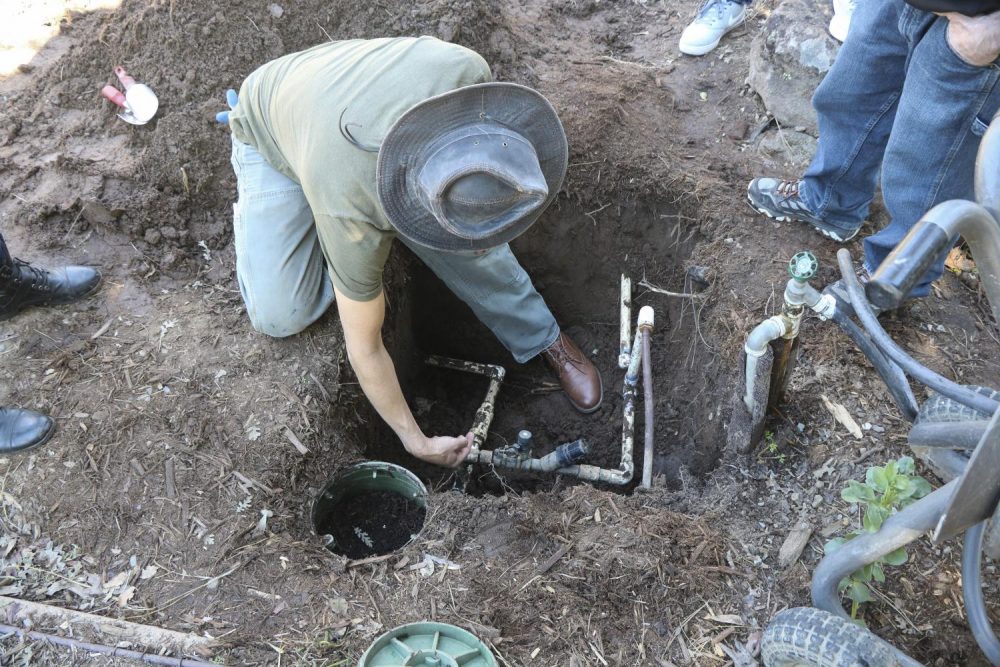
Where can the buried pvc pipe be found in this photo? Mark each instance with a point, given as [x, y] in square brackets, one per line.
[646, 318]
[148, 658]
[502, 459]
[625, 323]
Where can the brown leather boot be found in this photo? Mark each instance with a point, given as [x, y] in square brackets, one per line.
[577, 375]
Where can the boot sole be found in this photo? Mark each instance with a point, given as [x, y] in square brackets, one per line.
[788, 218]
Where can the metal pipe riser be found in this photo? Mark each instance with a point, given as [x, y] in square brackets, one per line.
[987, 178]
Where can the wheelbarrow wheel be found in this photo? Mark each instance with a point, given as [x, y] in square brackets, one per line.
[807, 637]
[938, 408]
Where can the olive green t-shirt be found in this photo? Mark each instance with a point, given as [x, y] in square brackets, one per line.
[290, 111]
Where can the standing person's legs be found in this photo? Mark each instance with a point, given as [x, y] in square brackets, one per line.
[279, 262]
[856, 104]
[945, 107]
[501, 295]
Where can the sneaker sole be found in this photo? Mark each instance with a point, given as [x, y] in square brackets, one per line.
[788, 218]
[702, 50]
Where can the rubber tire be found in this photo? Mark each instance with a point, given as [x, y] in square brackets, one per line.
[939, 408]
[808, 637]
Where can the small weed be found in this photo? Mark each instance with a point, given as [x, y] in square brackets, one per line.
[772, 448]
[886, 490]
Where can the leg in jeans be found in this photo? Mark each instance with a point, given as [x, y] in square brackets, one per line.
[279, 262]
[501, 295]
[856, 104]
[945, 107]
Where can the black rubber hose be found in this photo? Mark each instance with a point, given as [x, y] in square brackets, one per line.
[972, 593]
[910, 366]
[891, 374]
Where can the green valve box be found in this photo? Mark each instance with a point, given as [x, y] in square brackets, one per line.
[427, 645]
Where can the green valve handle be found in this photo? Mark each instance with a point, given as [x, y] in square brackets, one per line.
[803, 266]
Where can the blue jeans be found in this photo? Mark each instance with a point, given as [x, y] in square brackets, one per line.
[282, 273]
[898, 97]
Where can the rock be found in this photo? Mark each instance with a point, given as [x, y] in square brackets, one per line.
[97, 213]
[794, 544]
[793, 148]
[788, 59]
[276, 10]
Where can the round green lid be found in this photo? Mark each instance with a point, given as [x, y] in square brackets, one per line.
[427, 645]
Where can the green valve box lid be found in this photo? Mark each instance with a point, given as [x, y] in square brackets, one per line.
[427, 645]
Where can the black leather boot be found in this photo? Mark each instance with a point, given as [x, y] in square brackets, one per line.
[23, 285]
[21, 430]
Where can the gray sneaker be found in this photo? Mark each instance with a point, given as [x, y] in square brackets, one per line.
[780, 200]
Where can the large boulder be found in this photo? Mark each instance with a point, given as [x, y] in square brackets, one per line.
[789, 57]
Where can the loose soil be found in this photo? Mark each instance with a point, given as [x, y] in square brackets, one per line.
[371, 523]
[178, 489]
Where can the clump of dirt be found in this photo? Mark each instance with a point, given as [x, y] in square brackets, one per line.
[371, 523]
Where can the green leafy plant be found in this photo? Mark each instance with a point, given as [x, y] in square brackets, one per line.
[886, 490]
[772, 448]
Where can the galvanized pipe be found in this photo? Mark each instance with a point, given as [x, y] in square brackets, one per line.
[770, 329]
[987, 178]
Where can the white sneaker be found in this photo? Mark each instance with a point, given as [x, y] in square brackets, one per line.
[841, 21]
[715, 19]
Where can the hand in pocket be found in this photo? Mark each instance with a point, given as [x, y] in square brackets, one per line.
[974, 39]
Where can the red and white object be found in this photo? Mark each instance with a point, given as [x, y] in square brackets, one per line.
[138, 101]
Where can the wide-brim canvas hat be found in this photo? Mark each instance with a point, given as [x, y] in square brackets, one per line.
[472, 168]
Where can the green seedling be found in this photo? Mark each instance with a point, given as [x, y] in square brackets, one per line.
[886, 490]
[772, 448]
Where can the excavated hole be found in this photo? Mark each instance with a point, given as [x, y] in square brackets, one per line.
[370, 509]
[576, 265]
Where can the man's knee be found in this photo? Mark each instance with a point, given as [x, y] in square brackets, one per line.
[279, 318]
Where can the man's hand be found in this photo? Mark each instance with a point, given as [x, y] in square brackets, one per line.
[441, 450]
[975, 39]
[232, 99]
[362, 322]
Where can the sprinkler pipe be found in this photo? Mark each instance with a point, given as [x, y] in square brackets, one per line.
[148, 658]
[565, 459]
[625, 322]
[645, 325]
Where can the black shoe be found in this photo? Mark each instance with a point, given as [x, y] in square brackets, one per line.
[23, 285]
[21, 430]
[780, 200]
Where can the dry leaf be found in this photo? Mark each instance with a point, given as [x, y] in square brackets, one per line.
[794, 544]
[116, 581]
[844, 417]
[958, 261]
